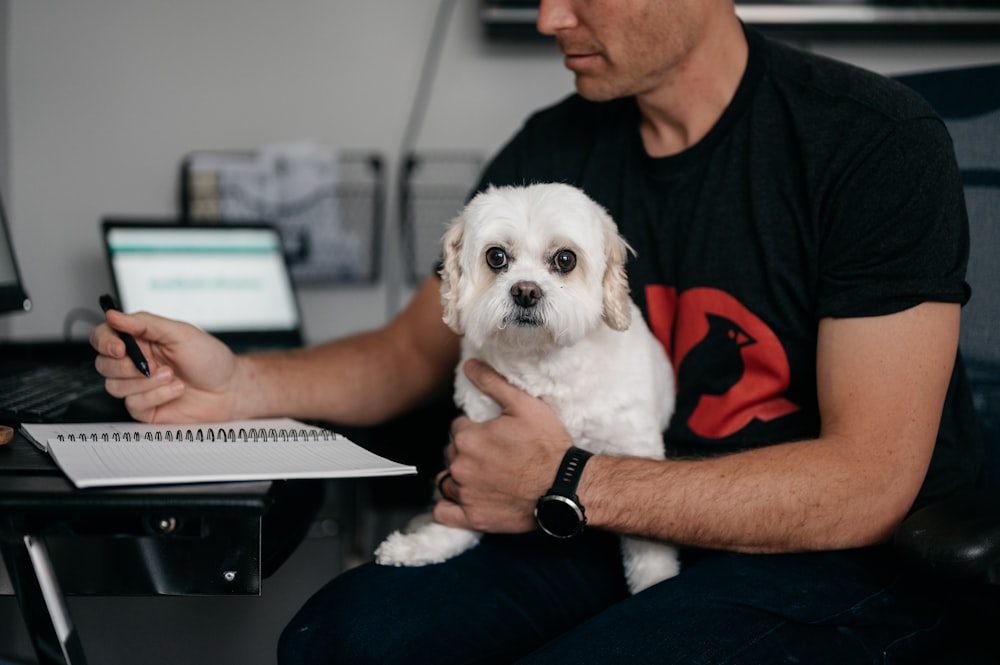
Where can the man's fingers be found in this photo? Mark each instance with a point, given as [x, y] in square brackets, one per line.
[445, 492]
[450, 514]
[129, 323]
[492, 383]
[105, 337]
[143, 406]
[121, 379]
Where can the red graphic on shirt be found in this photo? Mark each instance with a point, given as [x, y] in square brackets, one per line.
[733, 358]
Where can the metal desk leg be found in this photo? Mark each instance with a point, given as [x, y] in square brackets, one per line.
[43, 606]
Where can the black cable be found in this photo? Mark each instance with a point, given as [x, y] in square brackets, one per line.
[428, 71]
[414, 121]
[79, 314]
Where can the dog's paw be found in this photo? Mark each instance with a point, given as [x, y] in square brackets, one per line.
[429, 543]
[648, 562]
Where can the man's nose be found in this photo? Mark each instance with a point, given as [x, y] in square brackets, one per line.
[555, 15]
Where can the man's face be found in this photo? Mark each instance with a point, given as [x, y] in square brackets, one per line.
[619, 48]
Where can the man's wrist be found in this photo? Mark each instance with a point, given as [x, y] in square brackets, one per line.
[243, 403]
[559, 511]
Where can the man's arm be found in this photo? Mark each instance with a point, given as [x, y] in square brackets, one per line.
[362, 379]
[882, 382]
[356, 380]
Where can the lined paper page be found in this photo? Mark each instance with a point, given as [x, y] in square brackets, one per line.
[143, 460]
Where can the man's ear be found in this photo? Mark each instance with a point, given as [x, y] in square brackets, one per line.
[616, 300]
[451, 273]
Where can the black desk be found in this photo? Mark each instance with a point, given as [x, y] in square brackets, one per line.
[176, 540]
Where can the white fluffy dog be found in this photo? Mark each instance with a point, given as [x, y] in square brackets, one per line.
[534, 280]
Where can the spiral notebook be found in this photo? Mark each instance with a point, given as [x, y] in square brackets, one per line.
[121, 454]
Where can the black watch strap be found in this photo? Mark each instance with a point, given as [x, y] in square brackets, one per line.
[568, 476]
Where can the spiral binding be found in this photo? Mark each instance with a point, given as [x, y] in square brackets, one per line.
[223, 434]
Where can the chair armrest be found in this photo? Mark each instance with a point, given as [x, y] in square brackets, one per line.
[957, 537]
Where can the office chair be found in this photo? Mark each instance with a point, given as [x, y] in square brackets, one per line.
[958, 540]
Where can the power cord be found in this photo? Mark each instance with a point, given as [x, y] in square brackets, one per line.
[76, 315]
[414, 121]
[428, 72]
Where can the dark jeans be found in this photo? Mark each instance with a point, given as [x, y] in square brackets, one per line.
[532, 599]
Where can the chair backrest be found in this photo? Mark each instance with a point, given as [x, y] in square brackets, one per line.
[968, 100]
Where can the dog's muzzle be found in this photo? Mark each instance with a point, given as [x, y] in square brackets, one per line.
[526, 294]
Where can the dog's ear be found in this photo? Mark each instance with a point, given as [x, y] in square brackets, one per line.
[616, 300]
[451, 273]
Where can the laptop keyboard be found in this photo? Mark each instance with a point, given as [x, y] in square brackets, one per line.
[43, 393]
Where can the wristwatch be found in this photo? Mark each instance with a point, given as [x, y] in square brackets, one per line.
[559, 512]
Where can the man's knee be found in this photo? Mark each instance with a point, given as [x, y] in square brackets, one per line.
[345, 622]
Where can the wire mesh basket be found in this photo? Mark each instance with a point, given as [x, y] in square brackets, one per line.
[434, 187]
[328, 204]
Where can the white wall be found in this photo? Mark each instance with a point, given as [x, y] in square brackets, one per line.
[104, 97]
[3, 96]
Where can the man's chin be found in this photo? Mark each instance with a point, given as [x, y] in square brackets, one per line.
[594, 89]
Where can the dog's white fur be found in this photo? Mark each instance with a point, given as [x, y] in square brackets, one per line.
[583, 348]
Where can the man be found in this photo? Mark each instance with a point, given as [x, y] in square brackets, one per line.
[802, 246]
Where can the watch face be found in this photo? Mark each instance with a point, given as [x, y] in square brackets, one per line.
[559, 516]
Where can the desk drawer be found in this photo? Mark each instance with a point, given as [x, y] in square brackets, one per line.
[199, 556]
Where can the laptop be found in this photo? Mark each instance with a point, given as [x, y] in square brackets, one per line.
[230, 280]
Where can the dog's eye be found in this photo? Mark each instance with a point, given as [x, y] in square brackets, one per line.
[564, 260]
[496, 258]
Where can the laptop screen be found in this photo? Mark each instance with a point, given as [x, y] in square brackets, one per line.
[231, 280]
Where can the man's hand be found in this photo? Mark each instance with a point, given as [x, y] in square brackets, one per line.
[500, 467]
[191, 372]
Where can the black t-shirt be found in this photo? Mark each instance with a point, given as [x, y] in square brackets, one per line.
[823, 191]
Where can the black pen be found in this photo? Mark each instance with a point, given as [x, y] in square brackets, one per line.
[131, 348]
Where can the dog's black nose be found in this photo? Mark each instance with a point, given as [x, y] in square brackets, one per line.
[526, 294]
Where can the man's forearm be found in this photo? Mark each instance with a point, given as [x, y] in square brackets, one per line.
[358, 380]
[807, 495]
[346, 381]
[881, 386]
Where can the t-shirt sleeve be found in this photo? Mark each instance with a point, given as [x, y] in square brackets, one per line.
[895, 229]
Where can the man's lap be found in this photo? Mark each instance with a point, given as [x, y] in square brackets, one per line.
[497, 601]
[843, 607]
[567, 602]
